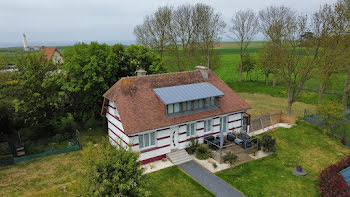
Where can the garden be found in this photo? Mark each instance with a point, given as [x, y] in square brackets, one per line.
[304, 145]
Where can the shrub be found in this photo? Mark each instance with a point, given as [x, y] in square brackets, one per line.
[268, 143]
[215, 165]
[192, 147]
[202, 152]
[110, 171]
[331, 182]
[230, 157]
[343, 140]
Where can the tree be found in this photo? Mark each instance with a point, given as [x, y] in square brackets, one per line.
[4, 61]
[40, 100]
[92, 69]
[326, 44]
[331, 114]
[248, 64]
[210, 28]
[266, 60]
[152, 33]
[274, 23]
[110, 171]
[244, 26]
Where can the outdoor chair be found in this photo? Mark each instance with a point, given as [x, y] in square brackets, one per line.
[230, 137]
[209, 138]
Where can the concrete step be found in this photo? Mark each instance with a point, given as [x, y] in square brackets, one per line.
[183, 160]
[179, 157]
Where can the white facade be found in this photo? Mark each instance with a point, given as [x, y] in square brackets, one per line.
[171, 137]
[57, 58]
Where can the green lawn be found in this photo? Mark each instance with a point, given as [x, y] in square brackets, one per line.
[173, 182]
[46, 176]
[302, 145]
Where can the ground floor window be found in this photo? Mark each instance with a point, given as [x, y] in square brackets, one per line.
[146, 140]
[190, 129]
[207, 125]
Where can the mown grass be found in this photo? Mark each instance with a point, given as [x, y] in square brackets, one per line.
[173, 182]
[263, 104]
[303, 145]
[48, 175]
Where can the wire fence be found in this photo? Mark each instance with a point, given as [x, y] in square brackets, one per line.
[9, 159]
[314, 119]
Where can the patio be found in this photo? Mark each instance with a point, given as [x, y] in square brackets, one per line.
[240, 145]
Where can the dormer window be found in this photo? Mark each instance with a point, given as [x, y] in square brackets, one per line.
[190, 98]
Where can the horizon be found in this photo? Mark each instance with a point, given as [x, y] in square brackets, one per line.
[63, 23]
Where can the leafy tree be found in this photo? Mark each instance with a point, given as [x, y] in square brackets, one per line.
[90, 70]
[139, 56]
[248, 63]
[40, 99]
[331, 114]
[110, 171]
[265, 60]
[4, 61]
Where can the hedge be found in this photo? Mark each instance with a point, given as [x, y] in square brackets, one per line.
[331, 181]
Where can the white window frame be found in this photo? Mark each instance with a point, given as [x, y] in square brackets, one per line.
[188, 129]
[149, 142]
[206, 124]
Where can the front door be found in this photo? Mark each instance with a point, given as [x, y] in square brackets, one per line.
[174, 138]
[245, 123]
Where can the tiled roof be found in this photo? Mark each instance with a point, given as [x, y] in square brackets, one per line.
[48, 51]
[140, 109]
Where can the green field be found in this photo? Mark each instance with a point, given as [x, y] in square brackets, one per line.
[303, 145]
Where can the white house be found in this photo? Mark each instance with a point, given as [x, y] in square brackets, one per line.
[156, 114]
[52, 54]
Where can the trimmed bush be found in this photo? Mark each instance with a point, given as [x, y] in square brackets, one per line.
[230, 158]
[202, 152]
[268, 143]
[332, 183]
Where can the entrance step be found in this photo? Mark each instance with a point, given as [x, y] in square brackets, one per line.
[179, 157]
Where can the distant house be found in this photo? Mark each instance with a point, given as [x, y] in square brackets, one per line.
[157, 114]
[52, 54]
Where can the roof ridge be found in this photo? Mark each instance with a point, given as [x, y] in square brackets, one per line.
[158, 74]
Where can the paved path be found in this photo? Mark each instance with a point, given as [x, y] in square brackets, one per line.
[213, 183]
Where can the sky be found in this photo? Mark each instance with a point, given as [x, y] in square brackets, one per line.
[62, 22]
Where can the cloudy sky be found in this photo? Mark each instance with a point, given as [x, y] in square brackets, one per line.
[69, 21]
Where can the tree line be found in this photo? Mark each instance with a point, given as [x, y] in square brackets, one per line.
[298, 47]
[43, 98]
[182, 31]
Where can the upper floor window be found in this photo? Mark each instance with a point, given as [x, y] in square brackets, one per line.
[191, 105]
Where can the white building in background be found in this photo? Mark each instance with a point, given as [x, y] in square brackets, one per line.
[157, 114]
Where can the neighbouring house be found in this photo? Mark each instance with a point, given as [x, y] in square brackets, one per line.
[156, 114]
[52, 54]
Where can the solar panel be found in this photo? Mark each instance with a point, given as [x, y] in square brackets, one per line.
[181, 93]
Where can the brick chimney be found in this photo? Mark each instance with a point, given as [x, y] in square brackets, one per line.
[141, 72]
[204, 71]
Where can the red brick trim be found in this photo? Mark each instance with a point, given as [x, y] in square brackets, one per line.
[183, 133]
[235, 128]
[116, 117]
[161, 138]
[118, 136]
[117, 127]
[215, 125]
[162, 129]
[135, 144]
[112, 107]
[182, 125]
[154, 148]
[234, 120]
[152, 159]
[114, 140]
[199, 137]
[199, 129]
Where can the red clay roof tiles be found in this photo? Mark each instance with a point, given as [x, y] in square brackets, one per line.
[140, 109]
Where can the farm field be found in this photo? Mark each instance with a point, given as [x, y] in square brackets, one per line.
[303, 145]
